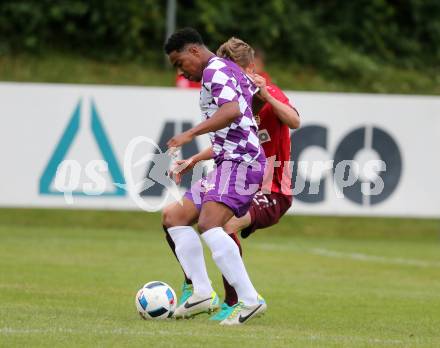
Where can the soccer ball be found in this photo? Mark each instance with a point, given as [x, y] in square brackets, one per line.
[156, 300]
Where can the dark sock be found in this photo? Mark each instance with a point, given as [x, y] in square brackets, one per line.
[230, 293]
[173, 249]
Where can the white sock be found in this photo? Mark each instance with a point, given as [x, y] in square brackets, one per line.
[189, 251]
[227, 258]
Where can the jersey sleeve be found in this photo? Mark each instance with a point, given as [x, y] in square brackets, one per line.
[278, 94]
[223, 87]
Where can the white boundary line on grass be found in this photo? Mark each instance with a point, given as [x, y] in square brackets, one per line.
[374, 258]
[351, 255]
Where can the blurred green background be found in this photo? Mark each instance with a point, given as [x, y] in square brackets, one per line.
[390, 46]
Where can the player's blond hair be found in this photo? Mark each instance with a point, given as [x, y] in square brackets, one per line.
[238, 51]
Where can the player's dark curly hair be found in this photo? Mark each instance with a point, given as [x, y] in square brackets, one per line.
[182, 37]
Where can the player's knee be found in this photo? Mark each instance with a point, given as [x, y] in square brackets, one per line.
[204, 225]
[173, 216]
[166, 223]
[169, 217]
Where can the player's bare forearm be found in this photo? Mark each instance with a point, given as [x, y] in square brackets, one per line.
[222, 118]
[285, 113]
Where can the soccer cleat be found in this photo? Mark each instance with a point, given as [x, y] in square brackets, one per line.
[196, 304]
[242, 314]
[225, 311]
[187, 291]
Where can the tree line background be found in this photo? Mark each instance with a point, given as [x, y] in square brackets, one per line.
[338, 36]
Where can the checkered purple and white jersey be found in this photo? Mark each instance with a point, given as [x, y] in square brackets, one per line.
[223, 81]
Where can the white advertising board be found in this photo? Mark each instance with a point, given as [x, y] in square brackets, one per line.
[87, 130]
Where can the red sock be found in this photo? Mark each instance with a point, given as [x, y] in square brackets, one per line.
[173, 249]
[237, 241]
[230, 293]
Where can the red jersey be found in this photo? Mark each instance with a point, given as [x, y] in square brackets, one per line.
[275, 139]
[182, 82]
[266, 76]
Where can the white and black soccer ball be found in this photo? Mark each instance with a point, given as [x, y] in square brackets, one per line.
[156, 300]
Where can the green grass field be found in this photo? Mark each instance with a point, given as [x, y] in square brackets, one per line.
[68, 278]
[66, 68]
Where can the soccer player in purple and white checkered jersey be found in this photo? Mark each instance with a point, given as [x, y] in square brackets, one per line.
[225, 102]
[223, 83]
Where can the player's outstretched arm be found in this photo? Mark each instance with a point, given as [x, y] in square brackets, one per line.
[287, 114]
[223, 117]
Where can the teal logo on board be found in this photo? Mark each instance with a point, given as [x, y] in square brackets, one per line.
[67, 139]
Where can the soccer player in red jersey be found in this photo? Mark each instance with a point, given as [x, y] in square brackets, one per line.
[275, 117]
[259, 64]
